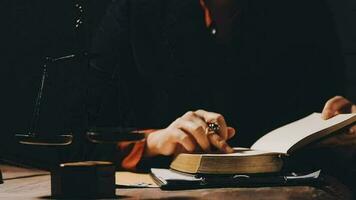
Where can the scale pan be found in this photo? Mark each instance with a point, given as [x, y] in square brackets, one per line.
[59, 140]
[113, 135]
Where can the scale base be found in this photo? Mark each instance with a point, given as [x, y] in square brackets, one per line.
[87, 179]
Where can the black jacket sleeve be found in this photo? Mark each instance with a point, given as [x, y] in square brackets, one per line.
[107, 98]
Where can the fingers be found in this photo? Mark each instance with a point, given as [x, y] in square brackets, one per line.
[220, 143]
[352, 130]
[335, 106]
[215, 118]
[230, 132]
[167, 142]
[189, 132]
[346, 138]
[187, 141]
[184, 139]
[192, 124]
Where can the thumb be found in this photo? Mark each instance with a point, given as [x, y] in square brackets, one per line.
[327, 114]
[230, 132]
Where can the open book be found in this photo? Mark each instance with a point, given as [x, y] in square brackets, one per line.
[265, 155]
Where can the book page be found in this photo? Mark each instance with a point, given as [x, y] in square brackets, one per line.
[301, 132]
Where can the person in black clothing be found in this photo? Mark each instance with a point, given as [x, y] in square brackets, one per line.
[248, 65]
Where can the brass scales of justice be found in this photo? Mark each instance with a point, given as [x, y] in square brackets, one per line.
[84, 179]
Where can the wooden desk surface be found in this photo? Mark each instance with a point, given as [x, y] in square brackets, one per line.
[20, 183]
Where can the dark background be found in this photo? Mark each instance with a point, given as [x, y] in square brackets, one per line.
[32, 30]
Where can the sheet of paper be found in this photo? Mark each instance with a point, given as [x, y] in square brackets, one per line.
[135, 180]
[167, 174]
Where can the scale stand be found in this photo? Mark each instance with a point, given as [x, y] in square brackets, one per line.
[94, 135]
[32, 137]
[86, 179]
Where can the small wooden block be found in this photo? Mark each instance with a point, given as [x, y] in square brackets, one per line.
[89, 179]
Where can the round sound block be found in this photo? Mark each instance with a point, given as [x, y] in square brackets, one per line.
[89, 179]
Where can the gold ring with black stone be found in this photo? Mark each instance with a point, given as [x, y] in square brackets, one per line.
[213, 128]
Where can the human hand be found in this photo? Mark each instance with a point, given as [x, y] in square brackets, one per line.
[189, 134]
[333, 107]
[337, 105]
